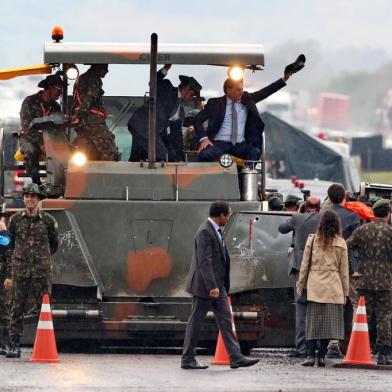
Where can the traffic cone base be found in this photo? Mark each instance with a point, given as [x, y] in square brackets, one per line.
[45, 349]
[221, 356]
[358, 352]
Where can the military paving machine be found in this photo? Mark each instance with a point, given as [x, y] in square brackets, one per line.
[126, 228]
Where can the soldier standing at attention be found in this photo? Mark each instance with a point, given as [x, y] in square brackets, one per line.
[38, 105]
[374, 244]
[34, 239]
[89, 114]
[5, 241]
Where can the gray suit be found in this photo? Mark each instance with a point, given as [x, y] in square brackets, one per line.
[301, 225]
[210, 268]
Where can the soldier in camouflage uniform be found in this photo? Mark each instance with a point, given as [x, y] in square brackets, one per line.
[89, 116]
[374, 244]
[5, 241]
[34, 239]
[38, 105]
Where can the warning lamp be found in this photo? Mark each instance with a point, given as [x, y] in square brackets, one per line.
[236, 73]
[57, 33]
[71, 71]
[301, 185]
[79, 159]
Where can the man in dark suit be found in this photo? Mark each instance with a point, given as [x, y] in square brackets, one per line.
[301, 225]
[209, 283]
[169, 114]
[349, 221]
[234, 123]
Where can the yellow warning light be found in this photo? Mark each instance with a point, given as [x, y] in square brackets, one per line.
[57, 33]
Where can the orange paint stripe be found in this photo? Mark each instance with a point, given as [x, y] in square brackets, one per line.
[45, 316]
[361, 318]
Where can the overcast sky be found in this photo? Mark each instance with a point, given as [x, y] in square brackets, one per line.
[333, 24]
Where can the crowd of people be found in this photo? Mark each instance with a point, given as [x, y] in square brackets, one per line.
[340, 250]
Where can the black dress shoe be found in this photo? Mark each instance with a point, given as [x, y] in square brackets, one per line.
[243, 362]
[297, 65]
[193, 365]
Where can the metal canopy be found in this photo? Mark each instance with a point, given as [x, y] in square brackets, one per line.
[139, 53]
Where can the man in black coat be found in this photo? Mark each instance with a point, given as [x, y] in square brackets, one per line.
[169, 114]
[234, 123]
[209, 283]
[301, 225]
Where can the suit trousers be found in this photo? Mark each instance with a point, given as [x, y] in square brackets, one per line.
[221, 309]
[300, 319]
[240, 150]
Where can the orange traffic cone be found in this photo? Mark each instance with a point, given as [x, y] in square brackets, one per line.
[45, 349]
[358, 351]
[221, 356]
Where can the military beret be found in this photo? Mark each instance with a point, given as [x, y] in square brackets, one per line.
[51, 80]
[191, 82]
[381, 203]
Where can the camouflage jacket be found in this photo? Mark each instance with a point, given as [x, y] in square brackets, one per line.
[374, 244]
[34, 107]
[87, 93]
[33, 240]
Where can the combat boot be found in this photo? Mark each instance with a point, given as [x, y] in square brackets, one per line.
[3, 343]
[384, 356]
[14, 349]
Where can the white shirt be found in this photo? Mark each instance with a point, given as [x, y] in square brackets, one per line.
[224, 134]
[216, 227]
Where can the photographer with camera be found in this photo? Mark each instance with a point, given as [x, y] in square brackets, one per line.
[301, 224]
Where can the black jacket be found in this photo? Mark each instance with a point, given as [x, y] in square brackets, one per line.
[167, 104]
[210, 267]
[215, 111]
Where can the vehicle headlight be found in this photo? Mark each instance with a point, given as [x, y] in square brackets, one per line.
[226, 160]
[79, 159]
[72, 72]
[236, 73]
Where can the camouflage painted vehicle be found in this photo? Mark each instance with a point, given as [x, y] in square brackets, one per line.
[126, 229]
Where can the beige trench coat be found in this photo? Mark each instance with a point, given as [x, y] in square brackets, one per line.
[328, 280]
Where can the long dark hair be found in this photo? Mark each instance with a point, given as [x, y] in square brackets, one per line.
[329, 227]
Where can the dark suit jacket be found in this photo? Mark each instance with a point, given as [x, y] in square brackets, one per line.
[215, 111]
[302, 225]
[167, 104]
[349, 220]
[210, 267]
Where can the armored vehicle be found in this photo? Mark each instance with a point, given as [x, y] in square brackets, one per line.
[127, 228]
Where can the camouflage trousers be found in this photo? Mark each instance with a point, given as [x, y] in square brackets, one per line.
[4, 308]
[23, 288]
[379, 305]
[100, 138]
[31, 152]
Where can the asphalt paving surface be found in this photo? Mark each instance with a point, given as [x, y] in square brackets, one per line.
[132, 371]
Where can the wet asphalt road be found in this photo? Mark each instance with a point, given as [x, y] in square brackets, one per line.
[161, 372]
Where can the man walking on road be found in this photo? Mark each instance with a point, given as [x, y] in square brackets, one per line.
[374, 244]
[209, 283]
[34, 239]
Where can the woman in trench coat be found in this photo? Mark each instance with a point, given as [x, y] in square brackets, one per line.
[324, 273]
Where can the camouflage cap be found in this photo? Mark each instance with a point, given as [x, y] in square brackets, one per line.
[381, 203]
[275, 195]
[33, 189]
